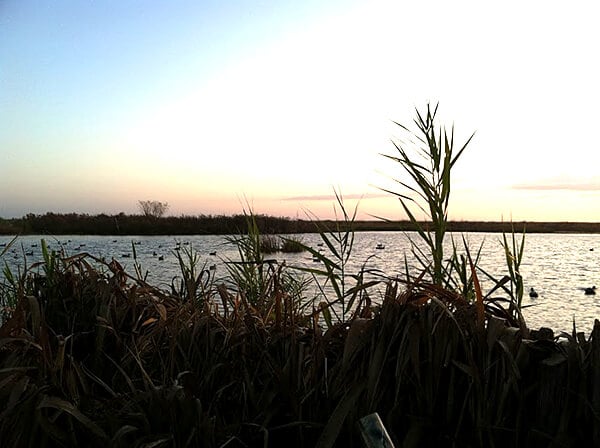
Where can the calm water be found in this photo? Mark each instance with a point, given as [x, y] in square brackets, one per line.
[556, 265]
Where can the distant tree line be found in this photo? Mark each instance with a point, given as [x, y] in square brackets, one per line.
[122, 224]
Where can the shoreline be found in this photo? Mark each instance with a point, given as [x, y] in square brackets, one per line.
[219, 225]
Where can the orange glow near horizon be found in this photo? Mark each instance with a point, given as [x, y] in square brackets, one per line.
[278, 105]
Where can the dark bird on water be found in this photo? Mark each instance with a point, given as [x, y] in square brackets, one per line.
[590, 291]
[532, 293]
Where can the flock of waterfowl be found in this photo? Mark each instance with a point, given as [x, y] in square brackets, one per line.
[588, 291]
[18, 252]
[30, 252]
[316, 259]
[533, 294]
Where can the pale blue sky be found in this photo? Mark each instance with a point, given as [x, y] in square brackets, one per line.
[208, 105]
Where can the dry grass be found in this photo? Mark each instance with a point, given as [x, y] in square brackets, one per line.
[92, 358]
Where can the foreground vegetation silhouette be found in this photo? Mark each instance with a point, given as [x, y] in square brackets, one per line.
[91, 355]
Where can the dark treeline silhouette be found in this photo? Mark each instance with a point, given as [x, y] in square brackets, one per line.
[122, 224]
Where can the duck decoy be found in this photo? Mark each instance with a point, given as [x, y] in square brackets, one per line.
[380, 246]
[532, 293]
[161, 258]
[590, 291]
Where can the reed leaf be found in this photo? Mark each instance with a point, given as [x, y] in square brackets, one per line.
[65, 406]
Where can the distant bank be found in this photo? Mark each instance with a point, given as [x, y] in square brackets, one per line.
[488, 226]
[122, 224]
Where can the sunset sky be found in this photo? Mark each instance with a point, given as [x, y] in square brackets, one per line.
[214, 106]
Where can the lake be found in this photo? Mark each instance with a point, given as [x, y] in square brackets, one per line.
[558, 266]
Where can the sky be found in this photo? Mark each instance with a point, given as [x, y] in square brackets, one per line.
[220, 106]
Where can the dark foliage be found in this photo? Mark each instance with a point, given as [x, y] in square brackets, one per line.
[93, 359]
[122, 224]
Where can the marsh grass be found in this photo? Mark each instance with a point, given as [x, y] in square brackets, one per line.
[350, 296]
[427, 156]
[196, 280]
[270, 244]
[96, 359]
[292, 245]
[91, 355]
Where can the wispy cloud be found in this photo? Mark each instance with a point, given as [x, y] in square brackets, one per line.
[331, 197]
[569, 186]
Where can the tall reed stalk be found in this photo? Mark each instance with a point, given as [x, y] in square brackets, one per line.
[428, 162]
